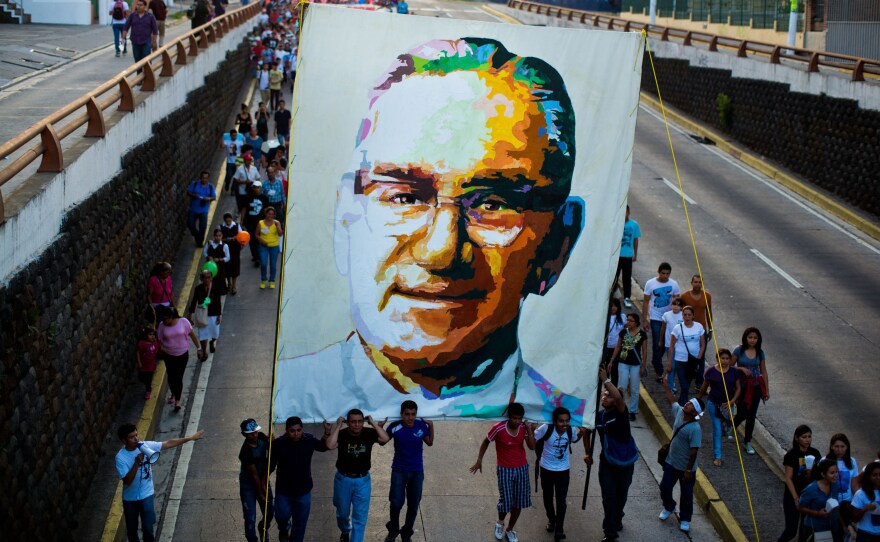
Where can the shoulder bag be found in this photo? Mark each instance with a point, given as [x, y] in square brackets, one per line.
[692, 365]
[663, 452]
[200, 315]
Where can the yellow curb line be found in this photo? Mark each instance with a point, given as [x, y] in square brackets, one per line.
[719, 515]
[755, 162]
[500, 15]
[114, 530]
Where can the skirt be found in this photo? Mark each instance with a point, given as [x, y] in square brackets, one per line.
[211, 331]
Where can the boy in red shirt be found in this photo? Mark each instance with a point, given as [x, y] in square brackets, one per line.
[513, 467]
[147, 348]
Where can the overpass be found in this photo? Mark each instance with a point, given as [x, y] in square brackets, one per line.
[61, 290]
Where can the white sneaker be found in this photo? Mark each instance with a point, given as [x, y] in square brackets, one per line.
[627, 303]
[499, 531]
[511, 536]
[684, 525]
[664, 515]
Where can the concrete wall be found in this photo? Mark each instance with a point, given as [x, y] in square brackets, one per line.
[59, 11]
[69, 316]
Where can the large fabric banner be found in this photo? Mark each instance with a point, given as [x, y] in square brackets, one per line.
[457, 196]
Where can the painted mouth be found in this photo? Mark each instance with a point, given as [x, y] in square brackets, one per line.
[439, 292]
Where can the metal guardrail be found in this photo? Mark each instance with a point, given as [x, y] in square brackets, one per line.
[89, 108]
[813, 60]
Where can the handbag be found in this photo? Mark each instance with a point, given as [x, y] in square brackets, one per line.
[663, 452]
[200, 315]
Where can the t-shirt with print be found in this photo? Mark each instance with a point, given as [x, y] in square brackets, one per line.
[408, 444]
[661, 294]
[557, 448]
[141, 486]
[870, 522]
[631, 347]
[147, 351]
[690, 436]
[687, 339]
[355, 451]
[258, 456]
[255, 205]
[631, 232]
[794, 458]
[233, 148]
[671, 320]
[509, 450]
[842, 490]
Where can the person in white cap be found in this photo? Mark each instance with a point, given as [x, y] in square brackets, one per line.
[253, 480]
[255, 205]
[680, 465]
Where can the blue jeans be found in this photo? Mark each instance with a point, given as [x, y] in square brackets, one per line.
[684, 383]
[249, 505]
[292, 515]
[628, 377]
[198, 225]
[405, 485]
[351, 497]
[268, 259]
[117, 33]
[716, 428]
[144, 510]
[140, 51]
[656, 349]
[282, 138]
[672, 476]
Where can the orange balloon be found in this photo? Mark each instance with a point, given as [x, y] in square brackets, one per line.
[243, 237]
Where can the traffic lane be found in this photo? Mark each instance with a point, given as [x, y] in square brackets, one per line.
[802, 334]
[815, 253]
[450, 9]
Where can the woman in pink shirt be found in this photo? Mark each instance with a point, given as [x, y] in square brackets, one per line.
[173, 333]
[159, 285]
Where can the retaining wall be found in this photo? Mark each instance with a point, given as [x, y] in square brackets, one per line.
[68, 319]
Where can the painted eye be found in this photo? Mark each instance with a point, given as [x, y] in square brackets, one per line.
[493, 205]
[405, 199]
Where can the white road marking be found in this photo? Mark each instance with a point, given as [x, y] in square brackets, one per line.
[176, 494]
[778, 269]
[770, 184]
[680, 193]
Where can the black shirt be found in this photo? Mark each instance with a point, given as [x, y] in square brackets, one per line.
[615, 424]
[282, 121]
[257, 456]
[255, 207]
[354, 451]
[294, 463]
[794, 458]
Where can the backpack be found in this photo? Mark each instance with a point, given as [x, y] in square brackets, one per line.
[539, 449]
[118, 11]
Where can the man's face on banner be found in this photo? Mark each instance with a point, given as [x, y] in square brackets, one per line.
[449, 210]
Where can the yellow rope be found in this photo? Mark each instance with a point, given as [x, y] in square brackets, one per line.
[700, 273]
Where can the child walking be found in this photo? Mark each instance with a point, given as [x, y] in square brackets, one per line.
[147, 349]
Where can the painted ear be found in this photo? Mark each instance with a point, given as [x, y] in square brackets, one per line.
[556, 248]
[345, 214]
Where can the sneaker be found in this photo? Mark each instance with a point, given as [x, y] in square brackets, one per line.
[262, 285]
[749, 449]
[684, 525]
[391, 538]
[559, 536]
[551, 527]
[117, 54]
[730, 434]
[511, 536]
[664, 515]
[499, 531]
[343, 537]
[271, 285]
[147, 395]
[627, 303]
[632, 416]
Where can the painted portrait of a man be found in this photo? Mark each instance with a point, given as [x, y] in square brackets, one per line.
[456, 207]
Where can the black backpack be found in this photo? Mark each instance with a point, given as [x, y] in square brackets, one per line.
[539, 449]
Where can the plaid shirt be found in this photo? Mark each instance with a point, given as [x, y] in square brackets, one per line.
[269, 185]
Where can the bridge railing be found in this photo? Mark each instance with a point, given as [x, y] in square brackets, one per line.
[88, 110]
[812, 60]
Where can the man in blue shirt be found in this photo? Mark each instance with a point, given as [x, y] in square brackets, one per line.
[407, 469]
[680, 466]
[629, 253]
[292, 455]
[201, 194]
